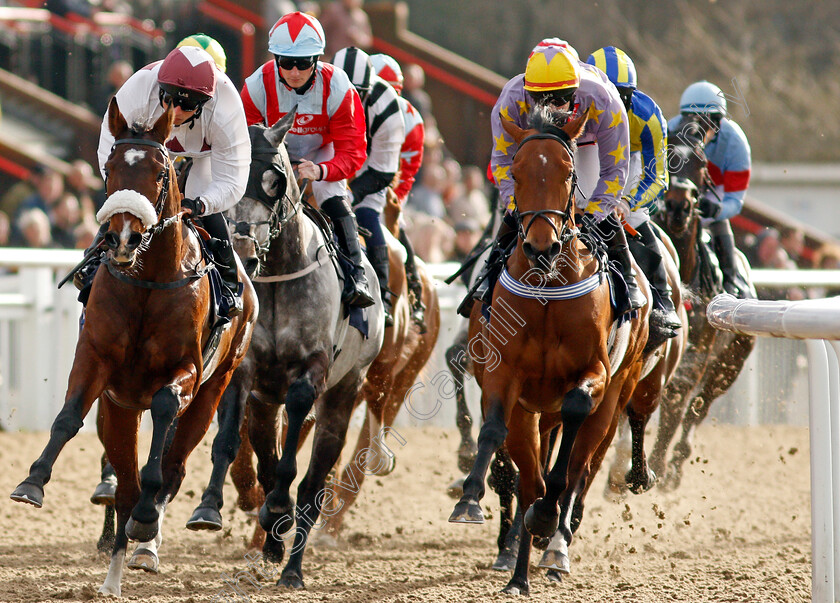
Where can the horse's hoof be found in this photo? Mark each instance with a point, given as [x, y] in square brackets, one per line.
[515, 587]
[110, 591]
[540, 542]
[205, 518]
[555, 560]
[505, 562]
[456, 489]
[29, 493]
[141, 532]
[467, 511]
[541, 524]
[554, 576]
[144, 559]
[275, 523]
[105, 492]
[291, 581]
[640, 485]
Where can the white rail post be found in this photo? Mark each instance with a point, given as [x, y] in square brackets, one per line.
[818, 322]
[36, 401]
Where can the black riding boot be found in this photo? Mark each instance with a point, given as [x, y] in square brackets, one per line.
[648, 256]
[228, 270]
[612, 233]
[347, 232]
[378, 256]
[485, 282]
[724, 242]
[83, 278]
[415, 285]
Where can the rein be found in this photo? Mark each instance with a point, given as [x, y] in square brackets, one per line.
[564, 234]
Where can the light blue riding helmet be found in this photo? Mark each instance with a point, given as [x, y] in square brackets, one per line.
[703, 97]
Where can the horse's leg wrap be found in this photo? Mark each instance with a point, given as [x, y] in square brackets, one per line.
[490, 439]
[415, 285]
[143, 524]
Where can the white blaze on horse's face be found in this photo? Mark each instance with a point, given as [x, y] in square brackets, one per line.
[132, 156]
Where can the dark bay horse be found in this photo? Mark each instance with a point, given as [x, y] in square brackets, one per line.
[304, 355]
[141, 347]
[541, 363]
[713, 358]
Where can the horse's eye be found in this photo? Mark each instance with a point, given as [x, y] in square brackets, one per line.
[161, 175]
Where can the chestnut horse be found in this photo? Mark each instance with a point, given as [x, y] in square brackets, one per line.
[142, 344]
[713, 359]
[541, 362]
[404, 353]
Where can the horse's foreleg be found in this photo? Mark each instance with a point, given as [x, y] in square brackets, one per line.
[277, 512]
[143, 523]
[103, 494]
[207, 515]
[500, 393]
[263, 429]
[87, 380]
[523, 445]
[542, 518]
[119, 435]
[313, 497]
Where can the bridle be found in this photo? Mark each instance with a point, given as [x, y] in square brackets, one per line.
[566, 231]
[164, 191]
[281, 207]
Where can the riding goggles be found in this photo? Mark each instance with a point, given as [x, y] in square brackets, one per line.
[186, 103]
[558, 98]
[301, 63]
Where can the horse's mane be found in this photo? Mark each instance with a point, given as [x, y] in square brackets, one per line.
[546, 119]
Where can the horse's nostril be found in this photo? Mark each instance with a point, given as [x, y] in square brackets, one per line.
[134, 240]
[529, 251]
[554, 250]
[112, 240]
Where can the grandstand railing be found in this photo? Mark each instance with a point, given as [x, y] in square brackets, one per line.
[818, 322]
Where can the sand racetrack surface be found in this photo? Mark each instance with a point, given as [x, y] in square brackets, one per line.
[737, 530]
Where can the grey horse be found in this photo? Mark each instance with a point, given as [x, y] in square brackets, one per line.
[303, 353]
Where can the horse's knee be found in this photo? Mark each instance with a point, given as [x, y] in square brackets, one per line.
[576, 406]
[164, 406]
[69, 420]
[299, 398]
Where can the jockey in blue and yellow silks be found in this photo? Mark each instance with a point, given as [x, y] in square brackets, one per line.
[555, 76]
[648, 174]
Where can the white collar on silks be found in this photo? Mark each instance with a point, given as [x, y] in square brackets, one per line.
[131, 202]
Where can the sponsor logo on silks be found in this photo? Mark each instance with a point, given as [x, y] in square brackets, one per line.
[302, 120]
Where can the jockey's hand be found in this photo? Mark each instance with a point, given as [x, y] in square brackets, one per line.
[709, 208]
[307, 169]
[196, 206]
[623, 208]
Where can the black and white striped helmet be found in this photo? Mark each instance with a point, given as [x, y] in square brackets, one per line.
[356, 64]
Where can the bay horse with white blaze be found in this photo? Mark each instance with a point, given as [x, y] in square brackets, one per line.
[541, 363]
[142, 344]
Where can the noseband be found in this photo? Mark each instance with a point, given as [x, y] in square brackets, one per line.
[563, 235]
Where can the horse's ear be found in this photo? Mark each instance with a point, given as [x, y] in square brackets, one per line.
[276, 133]
[163, 126]
[116, 122]
[574, 127]
[515, 131]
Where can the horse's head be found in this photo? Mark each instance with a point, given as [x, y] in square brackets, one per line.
[544, 175]
[687, 167]
[140, 184]
[270, 196]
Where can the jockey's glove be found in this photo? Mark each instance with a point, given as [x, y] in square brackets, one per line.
[709, 208]
[196, 206]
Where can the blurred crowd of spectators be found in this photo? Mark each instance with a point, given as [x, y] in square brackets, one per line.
[51, 211]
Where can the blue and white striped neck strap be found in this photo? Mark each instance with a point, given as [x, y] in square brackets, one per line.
[520, 289]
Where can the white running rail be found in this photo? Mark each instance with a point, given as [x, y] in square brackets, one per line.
[818, 322]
